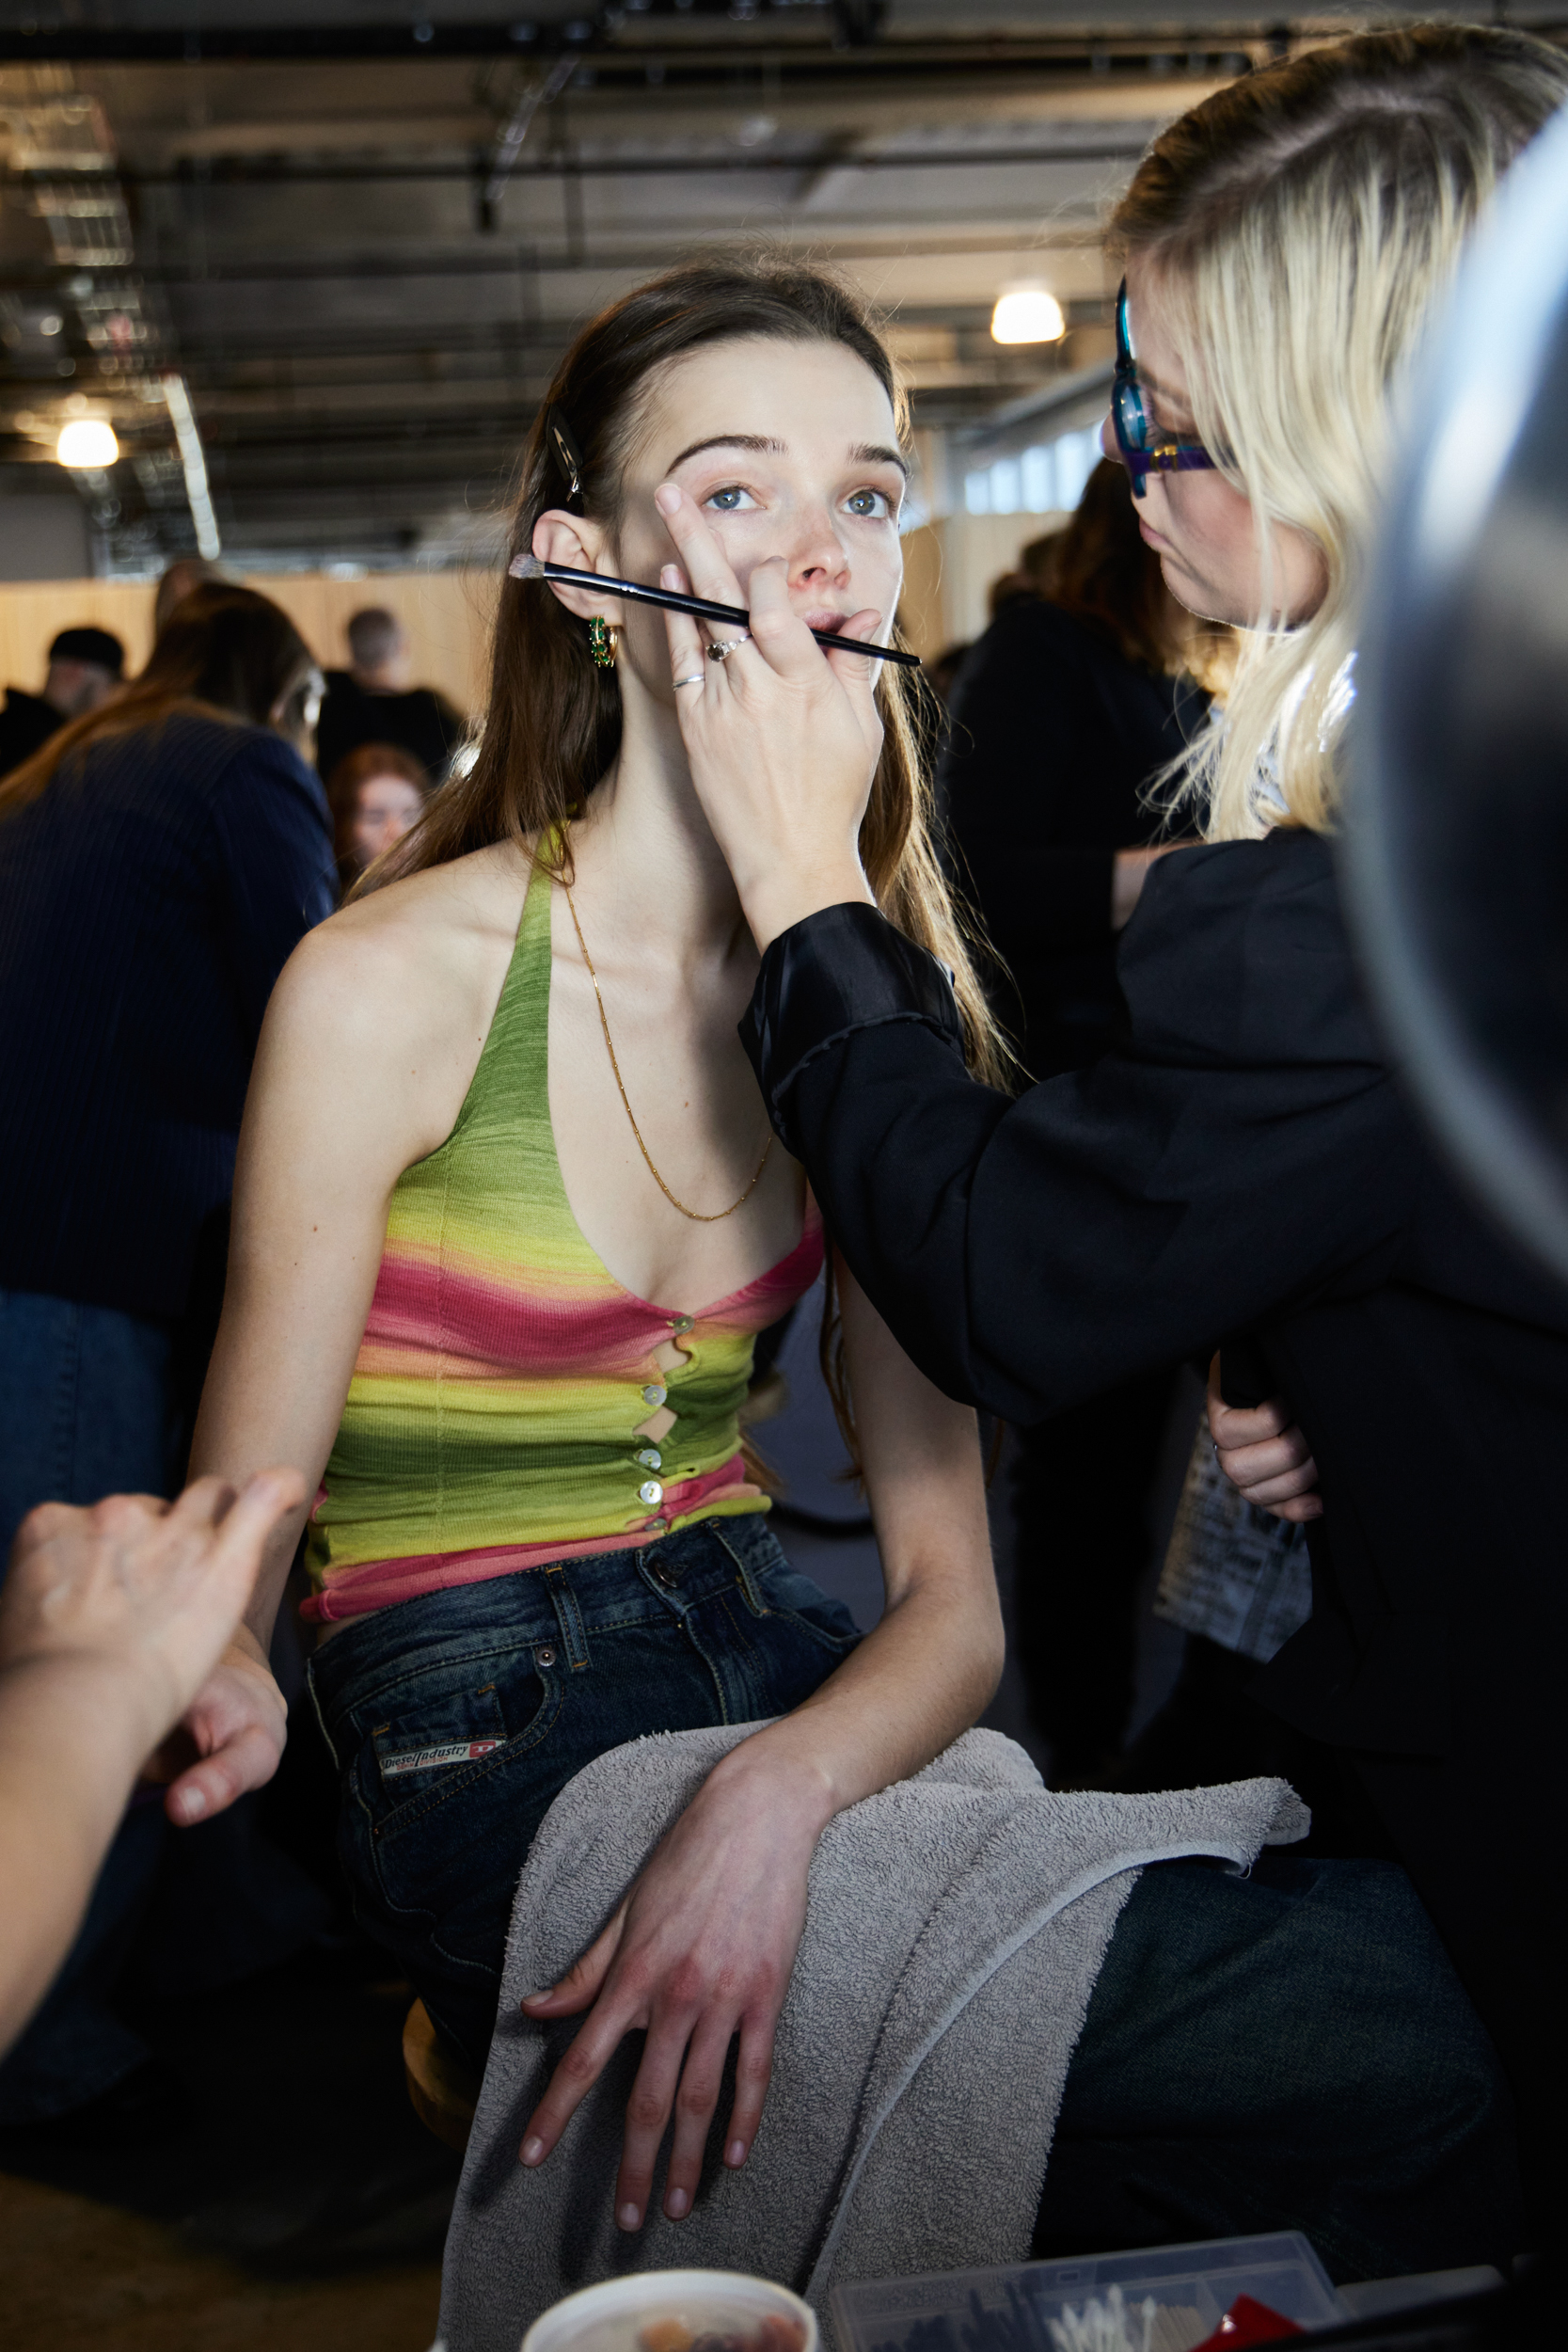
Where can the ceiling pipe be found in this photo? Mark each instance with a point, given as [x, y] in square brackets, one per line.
[509, 145]
[193, 459]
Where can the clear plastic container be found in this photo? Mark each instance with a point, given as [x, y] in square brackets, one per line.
[1007, 2310]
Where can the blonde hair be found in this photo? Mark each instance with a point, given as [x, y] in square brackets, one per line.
[1301, 225]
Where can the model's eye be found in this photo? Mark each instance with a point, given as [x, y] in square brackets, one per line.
[730, 500]
[872, 505]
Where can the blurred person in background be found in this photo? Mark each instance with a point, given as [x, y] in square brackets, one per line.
[85, 668]
[1074, 701]
[159, 859]
[376, 701]
[941, 673]
[1033, 575]
[185, 573]
[376, 795]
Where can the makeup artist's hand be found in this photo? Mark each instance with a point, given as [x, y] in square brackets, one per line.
[784, 739]
[1264, 1454]
[702, 1949]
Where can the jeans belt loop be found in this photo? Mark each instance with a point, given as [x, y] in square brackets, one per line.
[568, 1616]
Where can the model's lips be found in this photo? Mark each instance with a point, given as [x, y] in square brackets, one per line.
[826, 618]
[1151, 538]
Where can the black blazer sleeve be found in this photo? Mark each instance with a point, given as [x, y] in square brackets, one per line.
[1244, 1149]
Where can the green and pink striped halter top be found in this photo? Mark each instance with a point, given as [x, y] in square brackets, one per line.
[491, 1420]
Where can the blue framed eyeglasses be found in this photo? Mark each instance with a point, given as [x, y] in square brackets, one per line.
[1144, 447]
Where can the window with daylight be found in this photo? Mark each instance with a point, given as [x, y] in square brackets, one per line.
[1046, 479]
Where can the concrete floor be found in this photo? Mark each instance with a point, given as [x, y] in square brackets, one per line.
[303, 2205]
[85, 2277]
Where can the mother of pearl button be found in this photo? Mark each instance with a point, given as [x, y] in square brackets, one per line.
[651, 1458]
[650, 1493]
[655, 1393]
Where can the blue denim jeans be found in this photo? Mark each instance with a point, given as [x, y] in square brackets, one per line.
[456, 1719]
[84, 1411]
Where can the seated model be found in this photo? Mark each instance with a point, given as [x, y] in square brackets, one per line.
[507, 1221]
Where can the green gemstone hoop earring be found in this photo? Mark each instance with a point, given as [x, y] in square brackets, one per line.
[602, 641]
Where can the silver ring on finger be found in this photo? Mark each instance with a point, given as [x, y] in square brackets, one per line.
[698, 677]
[723, 648]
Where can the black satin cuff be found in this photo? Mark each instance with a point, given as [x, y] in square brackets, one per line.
[839, 971]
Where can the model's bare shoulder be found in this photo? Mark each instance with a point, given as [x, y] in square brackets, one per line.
[423, 956]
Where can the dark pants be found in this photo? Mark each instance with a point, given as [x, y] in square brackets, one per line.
[1290, 2050]
[457, 1720]
[1489, 1887]
[1083, 1483]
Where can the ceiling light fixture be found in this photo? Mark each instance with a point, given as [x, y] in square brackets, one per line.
[87, 445]
[1027, 314]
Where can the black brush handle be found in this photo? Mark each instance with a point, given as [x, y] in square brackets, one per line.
[702, 609]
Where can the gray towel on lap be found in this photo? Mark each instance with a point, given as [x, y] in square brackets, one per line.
[955, 1924]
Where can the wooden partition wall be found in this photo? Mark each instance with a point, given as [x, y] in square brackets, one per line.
[446, 615]
[949, 566]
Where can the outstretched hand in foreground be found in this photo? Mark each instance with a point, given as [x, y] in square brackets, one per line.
[111, 1620]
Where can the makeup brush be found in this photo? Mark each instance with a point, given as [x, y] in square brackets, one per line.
[533, 567]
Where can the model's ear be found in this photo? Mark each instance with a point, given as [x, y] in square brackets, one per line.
[562, 538]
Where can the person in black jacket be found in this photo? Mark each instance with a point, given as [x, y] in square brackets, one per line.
[1242, 1169]
[377, 702]
[1066, 713]
[159, 859]
[86, 666]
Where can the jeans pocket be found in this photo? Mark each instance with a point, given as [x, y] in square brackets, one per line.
[445, 1738]
[773, 1589]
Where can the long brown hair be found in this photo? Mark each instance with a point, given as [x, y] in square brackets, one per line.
[552, 727]
[224, 651]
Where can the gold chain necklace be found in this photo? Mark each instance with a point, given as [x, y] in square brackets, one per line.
[697, 1216]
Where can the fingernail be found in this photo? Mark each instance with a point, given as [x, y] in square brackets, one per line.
[534, 2150]
[193, 1804]
[667, 498]
[628, 2216]
[676, 2203]
[670, 576]
[736, 2152]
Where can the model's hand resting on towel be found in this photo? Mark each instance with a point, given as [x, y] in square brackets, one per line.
[702, 1948]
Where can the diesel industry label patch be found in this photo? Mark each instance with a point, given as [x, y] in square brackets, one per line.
[429, 1759]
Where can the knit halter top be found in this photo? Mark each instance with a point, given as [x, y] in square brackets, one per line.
[491, 1422]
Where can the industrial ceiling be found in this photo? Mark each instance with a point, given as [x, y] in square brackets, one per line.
[330, 251]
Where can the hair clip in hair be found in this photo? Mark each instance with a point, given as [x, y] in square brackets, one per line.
[568, 456]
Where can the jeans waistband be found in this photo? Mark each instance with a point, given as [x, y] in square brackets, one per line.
[559, 1604]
